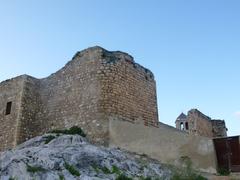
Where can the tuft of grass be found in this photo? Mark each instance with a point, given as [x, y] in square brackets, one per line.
[188, 177]
[115, 170]
[49, 138]
[35, 169]
[105, 170]
[12, 178]
[151, 178]
[147, 178]
[72, 131]
[61, 177]
[144, 155]
[223, 172]
[187, 172]
[72, 169]
[123, 177]
[95, 167]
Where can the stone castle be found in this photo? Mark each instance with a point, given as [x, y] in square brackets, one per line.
[95, 86]
[197, 123]
[113, 99]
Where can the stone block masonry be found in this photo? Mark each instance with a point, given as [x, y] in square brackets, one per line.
[10, 93]
[95, 86]
[197, 123]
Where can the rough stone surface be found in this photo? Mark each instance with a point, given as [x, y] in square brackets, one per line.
[10, 91]
[219, 128]
[89, 160]
[198, 123]
[95, 85]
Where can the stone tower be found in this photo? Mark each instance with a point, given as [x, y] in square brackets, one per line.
[95, 86]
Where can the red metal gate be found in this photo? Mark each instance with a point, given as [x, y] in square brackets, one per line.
[228, 153]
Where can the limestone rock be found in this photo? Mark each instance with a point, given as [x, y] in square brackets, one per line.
[53, 156]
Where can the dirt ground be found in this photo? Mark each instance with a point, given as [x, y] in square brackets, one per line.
[232, 176]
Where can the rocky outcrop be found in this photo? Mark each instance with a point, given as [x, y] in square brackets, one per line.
[54, 156]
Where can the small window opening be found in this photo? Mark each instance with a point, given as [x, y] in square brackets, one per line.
[8, 108]
[186, 124]
[181, 126]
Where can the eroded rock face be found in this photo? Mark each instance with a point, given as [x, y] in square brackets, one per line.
[51, 156]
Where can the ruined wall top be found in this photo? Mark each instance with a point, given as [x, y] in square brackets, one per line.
[199, 113]
[199, 124]
[95, 51]
[98, 53]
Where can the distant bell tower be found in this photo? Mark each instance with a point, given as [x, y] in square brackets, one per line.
[182, 123]
[197, 123]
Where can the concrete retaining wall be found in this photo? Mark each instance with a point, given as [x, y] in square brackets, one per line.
[165, 143]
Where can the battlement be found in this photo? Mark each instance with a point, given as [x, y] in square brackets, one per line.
[95, 86]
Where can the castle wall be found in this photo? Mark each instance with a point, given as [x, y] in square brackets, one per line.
[93, 87]
[165, 143]
[199, 123]
[112, 98]
[11, 91]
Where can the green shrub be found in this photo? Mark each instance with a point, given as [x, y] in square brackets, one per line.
[185, 176]
[95, 167]
[144, 155]
[35, 169]
[148, 178]
[187, 172]
[72, 169]
[145, 178]
[223, 172]
[123, 177]
[159, 178]
[12, 178]
[76, 130]
[105, 170]
[115, 170]
[61, 177]
[49, 138]
[72, 131]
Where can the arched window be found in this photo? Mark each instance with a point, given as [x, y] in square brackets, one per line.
[181, 126]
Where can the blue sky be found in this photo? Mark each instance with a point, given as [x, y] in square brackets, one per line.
[192, 47]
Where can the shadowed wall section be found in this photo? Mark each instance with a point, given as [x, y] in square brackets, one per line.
[10, 91]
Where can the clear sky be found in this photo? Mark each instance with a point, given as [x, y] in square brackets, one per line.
[192, 47]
